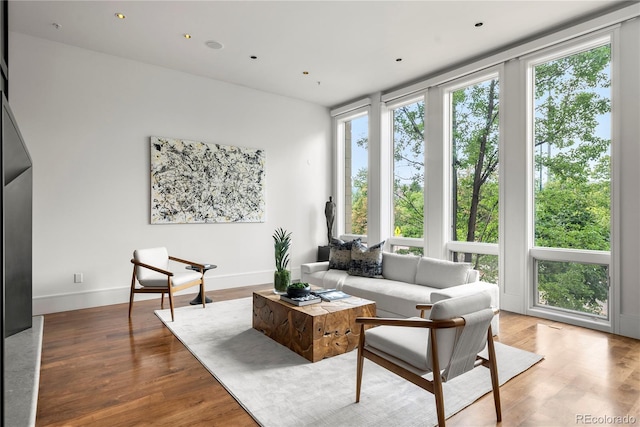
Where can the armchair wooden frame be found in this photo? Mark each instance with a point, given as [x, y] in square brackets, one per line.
[169, 289]
[432, 386]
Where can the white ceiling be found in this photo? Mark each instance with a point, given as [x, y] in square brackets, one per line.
[349, 48]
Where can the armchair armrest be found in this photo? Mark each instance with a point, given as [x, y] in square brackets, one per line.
[411, 323]
[184, 261]
[151, 267]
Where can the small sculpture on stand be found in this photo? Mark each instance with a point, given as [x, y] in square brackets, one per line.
[330, 214]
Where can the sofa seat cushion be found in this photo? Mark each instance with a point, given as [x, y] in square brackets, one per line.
[391, 296]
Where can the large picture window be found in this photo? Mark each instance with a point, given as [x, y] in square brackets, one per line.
[356, 174]
[572, 179]
[408, 175]
[474, 142]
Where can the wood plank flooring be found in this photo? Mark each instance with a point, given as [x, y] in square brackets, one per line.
[99, 369]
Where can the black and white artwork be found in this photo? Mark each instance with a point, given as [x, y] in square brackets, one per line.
[195, 182]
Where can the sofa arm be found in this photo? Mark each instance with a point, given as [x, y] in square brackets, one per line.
[313, 267]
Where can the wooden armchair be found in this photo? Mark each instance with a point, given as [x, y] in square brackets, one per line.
[151, 271]
[447, 345]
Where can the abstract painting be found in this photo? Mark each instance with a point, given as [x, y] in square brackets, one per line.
[195, 182]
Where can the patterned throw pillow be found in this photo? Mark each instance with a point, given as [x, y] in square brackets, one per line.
[340, 254]
[366, 262]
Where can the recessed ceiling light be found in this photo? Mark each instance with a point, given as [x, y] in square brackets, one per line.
[306, 73]
[186, 35]
[478, 24]
[120, 15]
[214, 44]
[253, 57]
[398, 59]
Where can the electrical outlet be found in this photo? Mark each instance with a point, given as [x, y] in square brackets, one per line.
[78, 278]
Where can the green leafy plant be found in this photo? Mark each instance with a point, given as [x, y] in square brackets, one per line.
[281, 244]
[299, 285]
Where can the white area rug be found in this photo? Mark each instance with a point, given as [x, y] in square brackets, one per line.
[22, 353]
[280, 388]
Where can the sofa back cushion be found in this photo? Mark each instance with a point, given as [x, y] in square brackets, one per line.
[439, 273]
[401, 268]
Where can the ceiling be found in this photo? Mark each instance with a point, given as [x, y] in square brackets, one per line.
[348, 48]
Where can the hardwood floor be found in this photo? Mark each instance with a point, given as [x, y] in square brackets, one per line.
[99, 369]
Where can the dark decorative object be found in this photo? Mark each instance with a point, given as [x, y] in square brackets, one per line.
[330, 214]
[323, 253]
[296, 290]
[282, 276]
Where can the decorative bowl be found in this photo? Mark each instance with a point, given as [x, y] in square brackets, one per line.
[296, 292]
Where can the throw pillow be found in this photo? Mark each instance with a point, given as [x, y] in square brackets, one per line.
[366, 262]
[439, 273]
[340, 254]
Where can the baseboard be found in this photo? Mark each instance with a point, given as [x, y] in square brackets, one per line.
[100, 297]
[629, 326]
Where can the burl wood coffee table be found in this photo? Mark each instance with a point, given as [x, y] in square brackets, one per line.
[314, 331]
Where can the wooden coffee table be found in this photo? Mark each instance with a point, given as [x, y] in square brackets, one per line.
[314, 331]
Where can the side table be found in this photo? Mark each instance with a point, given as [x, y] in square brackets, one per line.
[198, 300]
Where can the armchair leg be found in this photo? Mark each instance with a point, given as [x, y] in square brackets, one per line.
[437, 379]
[360, 364]
[133, 285]
[493, 368]
[162, 300]
[171, 302]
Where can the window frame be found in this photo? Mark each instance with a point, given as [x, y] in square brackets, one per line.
[580, 256]
[447, 90]
[340, 162]
[389, 142]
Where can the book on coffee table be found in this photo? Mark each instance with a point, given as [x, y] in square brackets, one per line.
[300, 301]
[321, 291]
[333, 295]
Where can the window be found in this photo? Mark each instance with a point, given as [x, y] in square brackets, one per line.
[474, 143]
[408, 176]
[572, 180]
[356, 174]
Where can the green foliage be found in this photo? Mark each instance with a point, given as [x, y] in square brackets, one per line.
[572, 188]
[298, 285]
[281, 244]
[572, 192]
[408, 180]
[578, 287]
[475, 163]
[359, 203]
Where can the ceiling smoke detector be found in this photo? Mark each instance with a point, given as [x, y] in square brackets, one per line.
[214, 44]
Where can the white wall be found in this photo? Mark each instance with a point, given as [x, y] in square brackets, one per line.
[87, 118]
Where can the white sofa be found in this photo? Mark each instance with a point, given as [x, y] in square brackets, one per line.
[406, 280]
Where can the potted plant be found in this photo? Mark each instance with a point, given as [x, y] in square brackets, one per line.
[299, 289]
[282, 276]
